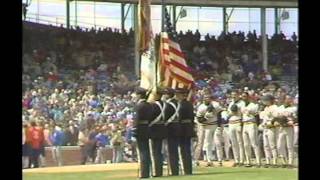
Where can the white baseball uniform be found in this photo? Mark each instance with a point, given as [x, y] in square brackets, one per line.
[225, 135]
[286, 134]
[250, 131]
[269, 133]
[206, 131]
[235, 131]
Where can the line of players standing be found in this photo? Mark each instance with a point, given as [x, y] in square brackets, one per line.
[241, 121]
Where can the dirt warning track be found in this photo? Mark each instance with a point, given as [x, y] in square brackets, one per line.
[96, 168]
[84, 168]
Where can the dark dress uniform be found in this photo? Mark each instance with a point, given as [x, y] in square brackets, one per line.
[186, 119]
[174, 133]
[140, 131]
[158, 132]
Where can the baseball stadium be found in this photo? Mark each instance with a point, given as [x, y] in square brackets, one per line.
[165, 89]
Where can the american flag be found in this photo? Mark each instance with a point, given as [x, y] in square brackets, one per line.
[173, 67]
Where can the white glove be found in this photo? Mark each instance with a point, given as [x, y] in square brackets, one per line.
[260, 127]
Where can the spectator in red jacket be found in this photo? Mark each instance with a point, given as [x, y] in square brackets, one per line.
[25, 146]
[52, 77]
[36, 139]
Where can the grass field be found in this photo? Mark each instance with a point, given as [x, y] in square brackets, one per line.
[201, 173]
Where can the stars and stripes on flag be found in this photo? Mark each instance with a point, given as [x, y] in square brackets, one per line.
[174, 70]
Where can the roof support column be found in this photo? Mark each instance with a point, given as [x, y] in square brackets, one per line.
[264, 40]
[68, 13]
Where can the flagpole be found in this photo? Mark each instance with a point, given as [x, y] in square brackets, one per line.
[136, 38]
[158, 42]
[162, 30]
[156, 58]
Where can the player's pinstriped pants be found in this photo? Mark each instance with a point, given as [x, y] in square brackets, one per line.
[269, 144]
[250, 139]
[205, 141]
[285, 140]
[235, 134]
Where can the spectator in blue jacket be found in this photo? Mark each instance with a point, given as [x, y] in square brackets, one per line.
[102, 140]
[57, 139]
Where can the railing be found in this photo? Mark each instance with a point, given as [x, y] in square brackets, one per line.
[58, 21]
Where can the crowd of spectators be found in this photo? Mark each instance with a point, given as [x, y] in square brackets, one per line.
[75, 76]
[233, 56]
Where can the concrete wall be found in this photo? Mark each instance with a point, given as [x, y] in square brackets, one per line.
[70, 155]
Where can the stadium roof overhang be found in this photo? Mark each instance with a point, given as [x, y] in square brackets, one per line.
[217, 3]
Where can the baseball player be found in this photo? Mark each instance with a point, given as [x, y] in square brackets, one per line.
[286, 133]
[219, 139]
[225, 134]
[206, 119]
[250, 129]
[235, 128]
[296, 126]
[269, 130]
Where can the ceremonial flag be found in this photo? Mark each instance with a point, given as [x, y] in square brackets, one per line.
[148, 63]
[174, 70]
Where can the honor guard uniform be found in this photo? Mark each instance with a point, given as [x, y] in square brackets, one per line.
[143, 116]
[158, 132]
[269, 130]
[186, 119]
[250, 129]
[171, 113]
[286, 132]
[207, 121]
[235, 128]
